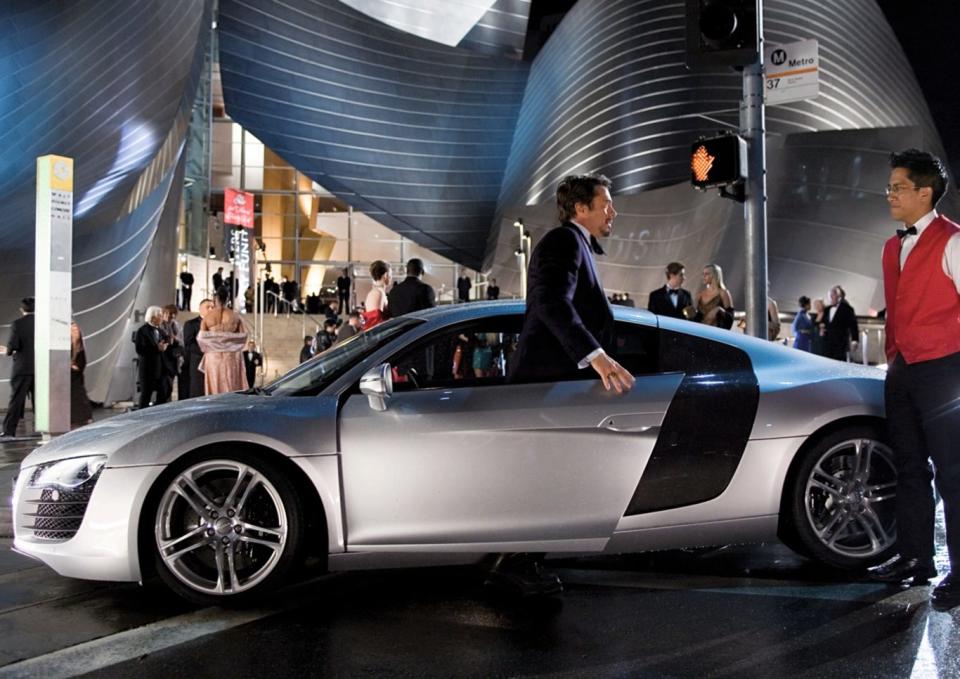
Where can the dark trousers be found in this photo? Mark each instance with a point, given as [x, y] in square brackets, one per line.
[20, 386]
[162, 385]
[183, 381]
[185, 294]
[923, 416]
[343, 301]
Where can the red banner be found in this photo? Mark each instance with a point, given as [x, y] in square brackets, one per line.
[238, 208]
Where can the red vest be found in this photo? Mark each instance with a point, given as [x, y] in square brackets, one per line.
[923, 307]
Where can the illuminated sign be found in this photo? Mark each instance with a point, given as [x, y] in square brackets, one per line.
[718, 161]
[238, 208]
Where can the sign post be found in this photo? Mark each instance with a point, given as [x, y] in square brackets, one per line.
[54, 281]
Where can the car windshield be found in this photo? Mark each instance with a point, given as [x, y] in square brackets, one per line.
[313, 376]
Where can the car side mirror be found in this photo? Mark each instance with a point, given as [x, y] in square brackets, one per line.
[377, 384]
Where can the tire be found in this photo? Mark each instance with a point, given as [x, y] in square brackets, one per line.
[841, 500]
[226, 529]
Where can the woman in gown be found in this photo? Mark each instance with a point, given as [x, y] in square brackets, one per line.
[222, 337]
[714, 304]
[803, 326]
[80, 412]
[376, 303]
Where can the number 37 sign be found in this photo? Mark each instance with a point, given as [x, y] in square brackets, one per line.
[791, 72]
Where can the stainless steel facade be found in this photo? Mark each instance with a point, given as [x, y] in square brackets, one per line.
[618, 99]
[109, 84]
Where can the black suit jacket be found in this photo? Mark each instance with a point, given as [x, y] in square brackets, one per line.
[842, 330]
[661, 305]
[411, 294]
[148, 348]
[568, 315]
[20, 346]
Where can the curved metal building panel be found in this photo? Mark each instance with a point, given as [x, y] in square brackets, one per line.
[623, 103]
[502, 30]
[413, 133]
[108, 83]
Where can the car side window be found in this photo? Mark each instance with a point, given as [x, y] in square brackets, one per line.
[637, 348]
[476, 353]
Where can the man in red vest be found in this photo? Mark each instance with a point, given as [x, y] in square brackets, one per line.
[921, 275]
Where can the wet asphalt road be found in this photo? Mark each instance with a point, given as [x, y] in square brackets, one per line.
[741, 611]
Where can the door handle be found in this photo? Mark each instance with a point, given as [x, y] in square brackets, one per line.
[632, 422]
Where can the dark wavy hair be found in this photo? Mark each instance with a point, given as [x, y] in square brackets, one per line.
[580, 188]
[924, 169]
[378, 269]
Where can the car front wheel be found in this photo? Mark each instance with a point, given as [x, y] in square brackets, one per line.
[842, 499]
[227, 528]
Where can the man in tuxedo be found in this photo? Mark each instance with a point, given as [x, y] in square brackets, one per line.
[252, 359]
[463, 288]
[568, 327]
[20, 347]
[921, 280]
[842, 331]
[217, 280]
[493, 290]
[671, 299]
[411, 294]
[150, 343]
[343, 291]
[190, 381]
[186, 290]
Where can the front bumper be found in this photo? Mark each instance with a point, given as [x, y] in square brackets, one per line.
[104, 547]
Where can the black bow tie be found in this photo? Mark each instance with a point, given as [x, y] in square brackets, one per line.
[595, 246]
[912, 231]
[674, 292]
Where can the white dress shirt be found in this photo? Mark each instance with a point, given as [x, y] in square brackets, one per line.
[951, 253]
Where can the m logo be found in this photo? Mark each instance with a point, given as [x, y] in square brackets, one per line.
[778, 57]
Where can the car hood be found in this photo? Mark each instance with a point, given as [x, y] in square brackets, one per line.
[154, 435]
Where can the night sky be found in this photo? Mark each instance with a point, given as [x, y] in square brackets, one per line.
[927, 30]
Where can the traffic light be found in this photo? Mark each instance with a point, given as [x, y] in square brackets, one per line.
[718, 161]
[722, 33]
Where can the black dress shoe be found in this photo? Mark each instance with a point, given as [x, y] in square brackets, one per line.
[522, 574]
[946, 595]
[900, 569]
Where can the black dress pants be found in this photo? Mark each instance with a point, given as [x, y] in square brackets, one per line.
[343, 299]
[20, 386]
[923, 416]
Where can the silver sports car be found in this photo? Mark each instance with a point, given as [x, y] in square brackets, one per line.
[407, 445]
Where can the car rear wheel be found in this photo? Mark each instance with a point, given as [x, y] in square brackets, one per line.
[842, 500]
[227, 529]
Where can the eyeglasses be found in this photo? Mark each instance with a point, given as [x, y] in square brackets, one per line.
[896, 189]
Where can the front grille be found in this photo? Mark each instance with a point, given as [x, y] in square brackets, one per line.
[56, 513]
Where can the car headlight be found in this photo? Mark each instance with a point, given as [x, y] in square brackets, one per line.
[68, 474]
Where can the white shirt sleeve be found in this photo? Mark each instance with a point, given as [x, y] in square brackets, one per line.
[951, 260]
[585, 362]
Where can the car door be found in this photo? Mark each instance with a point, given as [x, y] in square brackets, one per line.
[474, 463]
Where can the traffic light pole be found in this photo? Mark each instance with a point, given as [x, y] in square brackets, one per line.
[753, 125]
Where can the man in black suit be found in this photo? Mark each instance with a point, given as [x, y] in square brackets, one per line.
[569, 323]
[186, 290]
[343, 291]
[567, 328]
[493, 290]
[841, 326]
[191, 379]
[463, 288]
[150, 343]
[20, 347]
[671, 299]
[217, 280]
[252, 359]
[411, 294]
